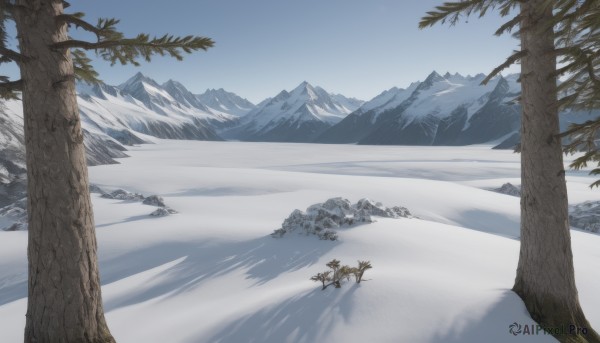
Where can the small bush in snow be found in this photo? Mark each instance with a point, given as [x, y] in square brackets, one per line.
[360, 271]
[121, 194]
[163, 212]
[323, 278]
[154, 200]
[338, 273]
[322, 219]
[335, 267]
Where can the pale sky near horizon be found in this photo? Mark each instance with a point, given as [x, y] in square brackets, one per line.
[354, 47]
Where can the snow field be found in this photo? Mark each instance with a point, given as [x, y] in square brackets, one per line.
[212, 273]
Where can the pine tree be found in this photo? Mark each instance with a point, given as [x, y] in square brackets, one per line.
[547, 29]
[64, 299]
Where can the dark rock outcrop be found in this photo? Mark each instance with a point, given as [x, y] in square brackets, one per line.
[509, 189]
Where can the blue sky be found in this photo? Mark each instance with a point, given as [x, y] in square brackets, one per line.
[355, 47]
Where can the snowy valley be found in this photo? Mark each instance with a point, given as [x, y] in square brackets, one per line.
[448, 110]
[213, 273]
[206, 268]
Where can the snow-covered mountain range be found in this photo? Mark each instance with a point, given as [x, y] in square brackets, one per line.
[116, 116]
[441, 110]
[141, 105]
[296, 116]
[226, 102]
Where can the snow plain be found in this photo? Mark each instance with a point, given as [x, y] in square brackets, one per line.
[212, 273]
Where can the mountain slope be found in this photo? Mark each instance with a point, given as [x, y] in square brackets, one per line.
[227, 102]
[100, 149]
[495, 119]
[442, 110]
[113, 117]
[12, 155]
[352, 128]
[296, 116]
[449, 110]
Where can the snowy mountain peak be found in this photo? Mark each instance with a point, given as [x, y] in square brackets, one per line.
[430, 80]
[434, 77]
[297, 116]
[182, 95]
[137, 79]
[149, 92]
[479, 76]
[388, 99]
[305, 89]
[456, 77]
[176, 89]
[303, 85]
[222, 100]
[215, 92]
[174, 84]
[99, 90]
[280, 97]
[501, 90]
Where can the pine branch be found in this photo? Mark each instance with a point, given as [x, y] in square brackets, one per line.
[10, 55]
[11, 8]
[508, 26]
[450, 12]
[589, 125]
[591, 72]
[129, 50]
[112, 46]
[84, 71]
[583, 138]
[514, 58]
[582, 87]
[75, 19]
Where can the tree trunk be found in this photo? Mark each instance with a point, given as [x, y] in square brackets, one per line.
[545, 276]
[64, 303]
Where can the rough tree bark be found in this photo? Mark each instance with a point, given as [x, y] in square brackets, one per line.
[545, 275]
[62, 243]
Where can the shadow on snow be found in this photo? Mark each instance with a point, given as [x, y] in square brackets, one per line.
[262, 260]
[305, 318]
